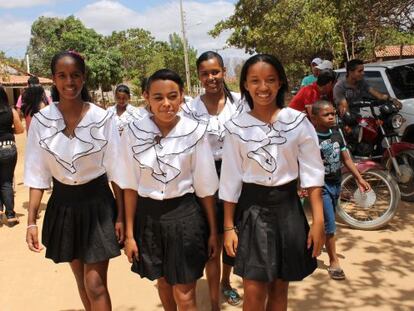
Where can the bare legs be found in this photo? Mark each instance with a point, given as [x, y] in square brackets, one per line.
[213, 268]
[255, 294]
[181, 296]
[92, 284]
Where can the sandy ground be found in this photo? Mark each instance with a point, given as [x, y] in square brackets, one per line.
[379, 266]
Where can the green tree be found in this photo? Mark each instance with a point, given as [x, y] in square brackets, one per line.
[174, 57]
[52, 35]
[298, 30]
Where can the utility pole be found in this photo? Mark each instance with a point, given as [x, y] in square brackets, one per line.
[27, 63]
[187, 66]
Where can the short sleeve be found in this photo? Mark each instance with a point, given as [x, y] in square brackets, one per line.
[110, 158]
[127, 174]
[231, 177]
[365, 86]
[311, 169]
[297, 101]
[341, 141]
[19, 102]
[338, 93]
[205, 180]
[36, 171]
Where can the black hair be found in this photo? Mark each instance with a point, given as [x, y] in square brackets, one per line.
[319, 105]
[33, 80]
[213, 55]
[143, 84]
[31, 99]
[80, 62]
[122, 88]
[326, 76]
[353, 64]
[165, 74]
[4, 100]
[277, 65]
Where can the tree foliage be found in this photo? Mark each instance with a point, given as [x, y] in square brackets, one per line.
[298, 30]
[128, 55]
[52, 35]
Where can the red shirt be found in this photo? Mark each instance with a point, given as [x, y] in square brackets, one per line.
[306, 96]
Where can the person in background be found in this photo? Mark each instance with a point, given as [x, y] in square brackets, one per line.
[315, 72]
[321, 89]
[10, 124]
[354, 88]
[124, 112]
[34, 99]
[334, 154]
[32, 81]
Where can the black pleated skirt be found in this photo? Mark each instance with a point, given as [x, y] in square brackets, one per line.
[272, 232]
[79, 222]
[172, 239]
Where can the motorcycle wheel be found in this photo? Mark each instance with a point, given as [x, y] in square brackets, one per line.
[381, 212]
[406, 188]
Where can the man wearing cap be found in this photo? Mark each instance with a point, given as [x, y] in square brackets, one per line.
[321, 89]
[315, 71]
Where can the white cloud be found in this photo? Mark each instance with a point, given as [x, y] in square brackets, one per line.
[8, 4]
[15, 35]
[106, 16]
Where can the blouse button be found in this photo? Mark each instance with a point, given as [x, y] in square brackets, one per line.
[270, 178]
[75, 182]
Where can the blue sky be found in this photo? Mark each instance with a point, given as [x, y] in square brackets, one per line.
[161, 17]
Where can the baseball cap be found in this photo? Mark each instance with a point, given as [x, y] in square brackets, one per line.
[326, 64]
[316, 61]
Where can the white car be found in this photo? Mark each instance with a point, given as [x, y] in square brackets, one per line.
[395, 78]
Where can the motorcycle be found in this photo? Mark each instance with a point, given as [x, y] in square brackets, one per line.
[374, 209]
[376, 138]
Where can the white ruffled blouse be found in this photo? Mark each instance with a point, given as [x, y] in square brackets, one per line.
[269, 154]
[197, 110]
[72, 161]
[130, 114]
[166, 167]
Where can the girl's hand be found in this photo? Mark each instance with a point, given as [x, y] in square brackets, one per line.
[212, 246]
[120, 231]
[231, 242]
[363, 185]
[316, 237]
[33, 240]
[131, 249]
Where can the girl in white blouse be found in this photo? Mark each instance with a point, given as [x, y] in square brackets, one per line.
[74, 144]
[265, 151]
[166, 161]
[125, 112]
[215, 107]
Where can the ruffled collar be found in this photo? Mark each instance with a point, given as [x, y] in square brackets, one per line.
[159, 154]
[197, 110]
[87, 140]
[263, 135]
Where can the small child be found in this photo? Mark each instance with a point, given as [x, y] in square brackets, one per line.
[333, 151]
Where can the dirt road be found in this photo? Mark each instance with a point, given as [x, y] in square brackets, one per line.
[379, 266]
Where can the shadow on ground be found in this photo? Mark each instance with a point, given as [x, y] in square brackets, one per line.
[398, 259]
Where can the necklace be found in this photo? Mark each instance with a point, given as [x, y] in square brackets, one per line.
[70, 132]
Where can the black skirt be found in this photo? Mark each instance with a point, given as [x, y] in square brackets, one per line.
[272, 231]
[172, 239]
[79, 222]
